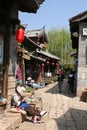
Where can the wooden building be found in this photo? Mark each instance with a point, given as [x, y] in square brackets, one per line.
[44, 68]
[78, 29]
[9, 23]
[39, 37]
[50, 66]
[30, 61]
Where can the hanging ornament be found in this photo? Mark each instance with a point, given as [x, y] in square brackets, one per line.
[44, 46]
[53, 62]
[20, 35]
[38, 43]
[42, 69]
[47, 62]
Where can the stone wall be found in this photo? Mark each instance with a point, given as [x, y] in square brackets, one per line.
[11, 89]
[82, 60]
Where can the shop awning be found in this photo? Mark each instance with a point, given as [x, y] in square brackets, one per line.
[38, 58]
[46, 53]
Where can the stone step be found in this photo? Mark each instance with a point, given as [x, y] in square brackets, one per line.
[11, 121]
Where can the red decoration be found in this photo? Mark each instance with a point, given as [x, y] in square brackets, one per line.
[20, 35]
[44, 46]
[53, 62]
[38, 43]
[42, 69]
[47, 62]
[56, 64]
[44, 42]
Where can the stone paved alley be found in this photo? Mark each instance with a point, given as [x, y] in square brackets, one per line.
[65, 112]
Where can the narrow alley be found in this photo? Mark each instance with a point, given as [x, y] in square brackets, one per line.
[65, 111]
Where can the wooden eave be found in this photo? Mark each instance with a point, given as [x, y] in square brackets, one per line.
[79, 17]
[37, 34]
[37, 58]
[74, 26]
[30, 6]
[30, 45]
[49, 55]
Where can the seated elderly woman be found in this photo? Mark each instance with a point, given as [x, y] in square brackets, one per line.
[18, 101]
[31, 83]
[28, 82]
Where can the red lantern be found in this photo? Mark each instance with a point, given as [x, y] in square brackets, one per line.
[56, 64]
[44, 46]
[42, 69]
[38, 43]
[44, 42]
[53, 62]
[47, 62]
[20, 35]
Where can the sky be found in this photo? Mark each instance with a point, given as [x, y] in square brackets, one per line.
[53, 14]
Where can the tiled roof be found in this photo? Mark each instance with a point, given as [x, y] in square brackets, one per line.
[38, 58]
[34, 33]
[46, 53]
[81, 16]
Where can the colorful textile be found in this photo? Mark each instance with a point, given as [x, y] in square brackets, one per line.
[18, 73]
[24, 105]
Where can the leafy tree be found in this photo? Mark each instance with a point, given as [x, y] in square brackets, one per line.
[60, 44]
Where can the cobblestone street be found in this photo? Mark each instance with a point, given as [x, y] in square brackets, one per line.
[65, 111]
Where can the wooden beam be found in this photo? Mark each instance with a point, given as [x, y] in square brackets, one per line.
[26, 57]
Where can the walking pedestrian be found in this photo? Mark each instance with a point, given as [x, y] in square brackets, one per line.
[60, 79]
[71, 81]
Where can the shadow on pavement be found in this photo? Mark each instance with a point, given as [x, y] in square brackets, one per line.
[73, 119]
[65, 90]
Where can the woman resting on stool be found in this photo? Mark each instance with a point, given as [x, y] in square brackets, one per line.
[19, 102]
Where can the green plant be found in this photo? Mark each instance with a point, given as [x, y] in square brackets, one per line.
[28, 89]
[55, 78]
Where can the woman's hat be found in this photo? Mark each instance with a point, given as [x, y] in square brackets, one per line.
[21, 90]
[29, 78]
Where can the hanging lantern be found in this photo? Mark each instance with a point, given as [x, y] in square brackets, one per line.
[56, 64]
[47, 62]
[38, 65]
[20, 35]
[38, 43]
[42, 69]
[44, 42]
[53, 62]
[44, 46]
